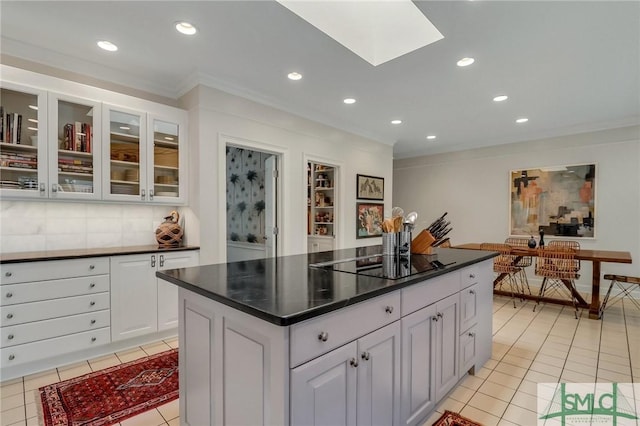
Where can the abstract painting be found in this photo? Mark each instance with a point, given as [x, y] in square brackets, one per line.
[369, 217]
[558, 200]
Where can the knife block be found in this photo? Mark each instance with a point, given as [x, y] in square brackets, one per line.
[421, 244]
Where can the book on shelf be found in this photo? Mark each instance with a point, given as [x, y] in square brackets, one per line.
[1, 123]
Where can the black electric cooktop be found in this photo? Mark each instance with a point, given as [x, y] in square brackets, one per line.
[389, 267]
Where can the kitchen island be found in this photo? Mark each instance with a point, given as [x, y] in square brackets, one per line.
[331, 338]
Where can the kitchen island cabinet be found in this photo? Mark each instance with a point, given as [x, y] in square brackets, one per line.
[293, 341]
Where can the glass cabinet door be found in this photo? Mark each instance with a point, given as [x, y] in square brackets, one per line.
[124, 172]
[74, 158]
[23, 142]
[165, 173]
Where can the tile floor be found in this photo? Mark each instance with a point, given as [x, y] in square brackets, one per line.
[548, 345]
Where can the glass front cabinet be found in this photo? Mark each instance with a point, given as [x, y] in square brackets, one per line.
[75, 148]
[166, 173]
[23, 141]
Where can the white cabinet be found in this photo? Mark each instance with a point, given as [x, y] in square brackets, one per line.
[52, 308]
[23, 141]
[74, 148]
[321, 206]
[446, 355]
[141, 304]
[145, 162]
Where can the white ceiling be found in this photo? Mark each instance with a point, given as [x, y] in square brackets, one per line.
[568, 66]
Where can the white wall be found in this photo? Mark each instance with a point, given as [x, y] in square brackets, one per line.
[473, 187]
[216, 118]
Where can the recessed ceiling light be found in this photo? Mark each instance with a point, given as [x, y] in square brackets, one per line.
[107, 45]
[294, 76]
[431, 137]
[396, 121]
[522, 120]
[464, 62]
[186, 28]
[349, 101]
[500, 98]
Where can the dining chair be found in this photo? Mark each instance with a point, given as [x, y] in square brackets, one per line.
[558, 267]
[625, 285]
[522, 262]
[504, 263]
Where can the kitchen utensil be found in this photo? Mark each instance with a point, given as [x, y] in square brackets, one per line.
[397, 223]
[397, 211]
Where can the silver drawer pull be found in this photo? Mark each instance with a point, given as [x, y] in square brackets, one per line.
[434, 318]
[323, 336]
[472, 334]
[92, 285]
[472, 275]
[439, 315]
[9, 295]
[366, 356]
[353, 362]
[12, 357]
[93, 322]
[9, 316]
[92, 303]
[8, 274]
[472, 292]
[92, 267]
[93, 339]
[10, 337]
[389, 309]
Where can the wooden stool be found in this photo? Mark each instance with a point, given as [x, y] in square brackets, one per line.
[625, 284]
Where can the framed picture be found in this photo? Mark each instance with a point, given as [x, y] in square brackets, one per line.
[369, 217]
[369, 187]
[558, 200]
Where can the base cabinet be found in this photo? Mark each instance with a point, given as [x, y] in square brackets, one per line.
[446, 346]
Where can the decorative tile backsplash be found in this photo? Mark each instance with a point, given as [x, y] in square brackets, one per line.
[35, 226]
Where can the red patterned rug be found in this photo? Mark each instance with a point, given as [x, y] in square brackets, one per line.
[111, 395]
[449, 418]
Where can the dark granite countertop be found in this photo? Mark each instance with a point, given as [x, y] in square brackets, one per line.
[285, 290]
[34, 256]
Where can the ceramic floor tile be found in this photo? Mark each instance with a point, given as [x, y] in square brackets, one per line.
[32, 396]
[529, 387]
[155, 348]
[511, 370]
[480, 416]
[604, 375]
[472, 382]
[148, 418]
[131, 354]
[11, 388]
[431, 420]
[462, 394]
[483, 373]
[616, 368]
[496, 390]
[525, 400]
[517, 361]
[550, 360]
[520, 416]
[570, 376]
[451, 405]
[614, 359]
[488, 403]
[31, 410]
[170, 410]
[176, 422]
[36, 381]
[504, 379]
[73, 371]
[172, 342]
[491, 364]
[553, 352]
[13, 415]
[13, 401]
[537, 377]
[104, 362]
[545, 368]
[504, 422]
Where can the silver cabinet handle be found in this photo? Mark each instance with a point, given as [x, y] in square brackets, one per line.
[153, 260]
[353, 362]
[93, 339]
[389, 309]
[42, 188]
[151, 194]
[472, 334]
[439, 315]
[323, 336]
[93, 321]
[472, 292]
[92, 285]
[92, 267]
[8, 274]
[142, 194]
[434, 318]
[54, 188]
[92, 303]
[10, 337]
[161, 260]
[366, 356]
[12, 357]
[9, 295]
[9, 316]
[472, 275]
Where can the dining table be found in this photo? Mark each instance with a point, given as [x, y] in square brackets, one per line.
[596, 257]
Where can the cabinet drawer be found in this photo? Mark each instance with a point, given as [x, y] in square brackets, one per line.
[469, 275]
[467, 350]
[316, 336]
[12, 273]
[52, 347]
[424, 294]
[13, 294]
[468, 307]
[37, 311]
[47, 329]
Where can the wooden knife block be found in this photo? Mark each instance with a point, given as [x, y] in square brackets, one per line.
[421, 244]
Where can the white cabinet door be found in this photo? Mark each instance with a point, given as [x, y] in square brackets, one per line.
[378, 369]
[467, 350]
[167, 292]
[134, 308]
[446, 371]
[166, 156]
[323, 391]
[418, 365]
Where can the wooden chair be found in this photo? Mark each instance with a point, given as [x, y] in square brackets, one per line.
[504, 264]
[625, 286]
[523, 261]
[559, 269]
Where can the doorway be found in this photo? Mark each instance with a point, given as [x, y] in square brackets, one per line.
[251, 203]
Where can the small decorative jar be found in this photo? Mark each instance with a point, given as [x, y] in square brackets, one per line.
[169, 233]
[532, 242]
